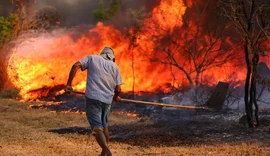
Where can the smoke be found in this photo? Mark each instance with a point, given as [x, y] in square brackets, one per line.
[71, 12]
[76, 12]
[5, 7]
[79, 12]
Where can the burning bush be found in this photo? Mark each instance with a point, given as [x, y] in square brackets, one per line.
[23, 19]
[6, 33]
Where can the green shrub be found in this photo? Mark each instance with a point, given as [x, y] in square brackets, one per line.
[6, 28]
[103, 14]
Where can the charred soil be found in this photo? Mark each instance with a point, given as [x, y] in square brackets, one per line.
[161, 132]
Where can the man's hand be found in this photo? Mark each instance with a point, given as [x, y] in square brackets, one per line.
[68, 89]
[72, 74]
[117, 99]
[117, 91]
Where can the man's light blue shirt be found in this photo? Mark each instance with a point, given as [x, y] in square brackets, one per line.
[102, 77]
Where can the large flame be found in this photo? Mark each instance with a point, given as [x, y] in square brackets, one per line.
[40, 65]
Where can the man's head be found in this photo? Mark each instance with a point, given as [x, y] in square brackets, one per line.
[107, 53]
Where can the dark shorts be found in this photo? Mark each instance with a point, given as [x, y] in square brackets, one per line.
[97, 113]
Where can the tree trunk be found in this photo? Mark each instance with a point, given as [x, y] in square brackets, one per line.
[248, 106]
[255, 61]
[251, 98]
[195, 88]
[197, 78]
[133, 74]
[188, 77]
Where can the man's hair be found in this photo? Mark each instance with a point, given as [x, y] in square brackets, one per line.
[108, 53]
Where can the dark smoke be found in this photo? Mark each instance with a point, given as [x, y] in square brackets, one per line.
[5, 7]
[78, 12]
[71, 12]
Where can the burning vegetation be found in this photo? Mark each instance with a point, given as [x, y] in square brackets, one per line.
[173, 49]
[172, 45]
[171, 54]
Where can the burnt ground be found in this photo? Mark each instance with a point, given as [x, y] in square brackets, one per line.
[196, 130]
[161, 126]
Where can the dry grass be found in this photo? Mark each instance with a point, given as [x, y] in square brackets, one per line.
[27, 132]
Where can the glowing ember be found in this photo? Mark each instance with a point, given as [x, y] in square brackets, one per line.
[132, 114]
[128, 113]
[56, 107]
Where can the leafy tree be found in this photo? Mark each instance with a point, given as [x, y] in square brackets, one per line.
[6, 28]
[103, 14]
[6, 34]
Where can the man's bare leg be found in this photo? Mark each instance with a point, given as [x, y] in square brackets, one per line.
[107, 136]
[101, 139]
[106, 133]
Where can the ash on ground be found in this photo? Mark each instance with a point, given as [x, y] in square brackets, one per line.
[166, 126]
[74, 103]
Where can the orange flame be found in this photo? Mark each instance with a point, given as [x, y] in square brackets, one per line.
[45, 61]
[128, 113]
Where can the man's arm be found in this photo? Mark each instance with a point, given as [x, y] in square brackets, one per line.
[117, 92]
[71, 76]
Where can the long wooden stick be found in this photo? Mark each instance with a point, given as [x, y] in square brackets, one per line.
[163, 104]
[156, 104]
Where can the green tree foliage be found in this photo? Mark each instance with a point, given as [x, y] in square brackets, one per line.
[6, 28]
[103, 14]
[6, 34]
